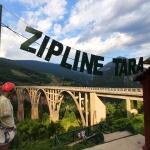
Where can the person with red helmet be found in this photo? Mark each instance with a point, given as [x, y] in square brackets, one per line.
[7, 122]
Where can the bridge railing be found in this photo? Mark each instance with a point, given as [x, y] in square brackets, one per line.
[120, 91]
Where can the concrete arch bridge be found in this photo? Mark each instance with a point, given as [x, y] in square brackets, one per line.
[85, 98]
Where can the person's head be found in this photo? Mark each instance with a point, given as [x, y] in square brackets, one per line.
[8, 89]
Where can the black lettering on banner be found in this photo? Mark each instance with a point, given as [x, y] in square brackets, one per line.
[92, 65]
[76, 61]
[123, 68]
[132, 64]
[26, 44]
[52, 51]
[96, 65]
[43, 46]
[117, 61]
[85, 61]
[64, 59]
[140, 65]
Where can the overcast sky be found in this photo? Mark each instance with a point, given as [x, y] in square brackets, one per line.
[108, 28]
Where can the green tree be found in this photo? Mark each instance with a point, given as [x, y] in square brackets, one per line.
[110, 112]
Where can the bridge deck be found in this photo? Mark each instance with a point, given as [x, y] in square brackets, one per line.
[98, 90]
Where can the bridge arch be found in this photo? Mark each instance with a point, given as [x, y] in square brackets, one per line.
[32, 95]
[76, 102]
[36, 100]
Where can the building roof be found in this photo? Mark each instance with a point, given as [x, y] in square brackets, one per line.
[143, 75]
[147, 61]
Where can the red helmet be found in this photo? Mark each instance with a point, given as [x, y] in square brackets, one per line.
[8, 86]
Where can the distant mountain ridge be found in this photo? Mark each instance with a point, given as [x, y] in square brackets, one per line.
[56, 70]
[42, 73]
[44, 68]
[109, 78]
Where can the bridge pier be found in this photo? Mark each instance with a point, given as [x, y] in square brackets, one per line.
[86, 110]
[128, 108]
[97, 109]
[54, 116]
[134, 111]
[20, 97]
[20, 113]
[34, 111]
[130, 111]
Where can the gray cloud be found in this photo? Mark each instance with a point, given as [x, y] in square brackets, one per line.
[128, 17]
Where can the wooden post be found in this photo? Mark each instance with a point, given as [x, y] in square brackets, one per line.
[144, 79]
[0, 24]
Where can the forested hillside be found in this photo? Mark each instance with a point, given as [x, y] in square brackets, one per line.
[56, 70]
[110, 80]
[22, 73]
[29, 72]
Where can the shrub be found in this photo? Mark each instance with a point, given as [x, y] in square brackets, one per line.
[120, 123]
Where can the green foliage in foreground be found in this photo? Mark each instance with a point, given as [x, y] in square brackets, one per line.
[48, 145]
[116, 117]
[34, 135]
[115, 111]
[39, 134]
[135, 124]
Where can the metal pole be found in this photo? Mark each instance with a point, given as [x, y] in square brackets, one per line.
[0, 24]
